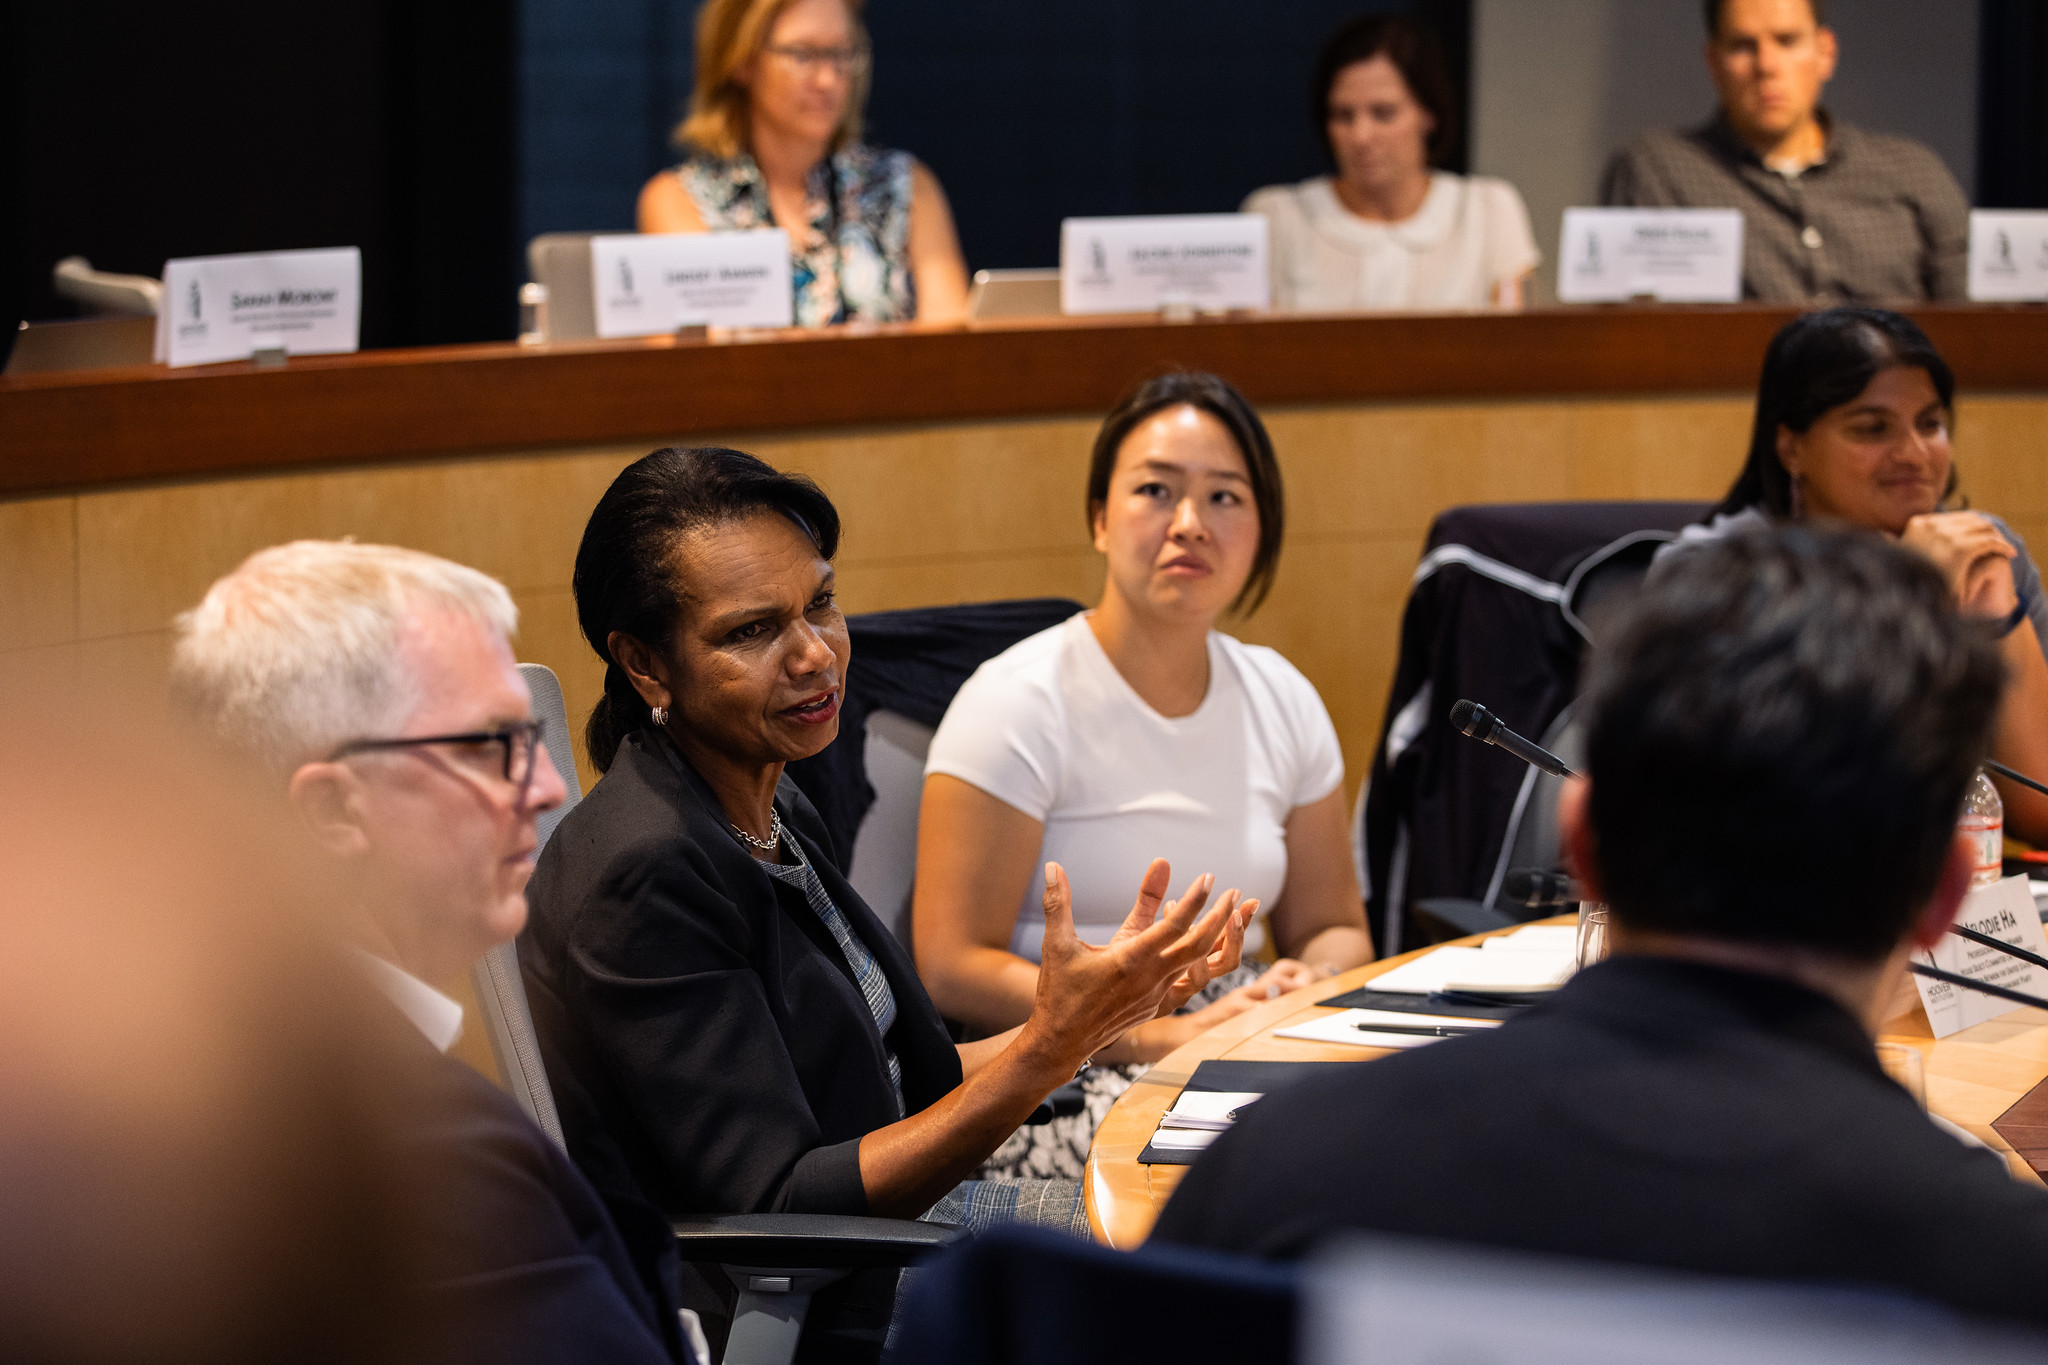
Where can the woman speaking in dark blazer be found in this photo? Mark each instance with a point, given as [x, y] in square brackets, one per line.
[726, 1025]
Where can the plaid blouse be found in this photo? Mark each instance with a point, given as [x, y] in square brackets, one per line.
[851, 262]
[1880, 220]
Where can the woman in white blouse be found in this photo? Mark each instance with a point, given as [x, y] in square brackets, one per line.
[1386, 231]
[1135, 731]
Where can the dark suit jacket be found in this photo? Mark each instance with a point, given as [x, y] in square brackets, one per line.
[707, 1045]
[1655, 1112]
[521, 1261]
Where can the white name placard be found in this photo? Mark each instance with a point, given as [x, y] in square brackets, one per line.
[1674, 255]
[229, 307]
[1139, 265]
[648, 283]
[2008, 255]
[2005, 912]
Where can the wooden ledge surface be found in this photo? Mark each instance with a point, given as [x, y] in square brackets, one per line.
[95, 428]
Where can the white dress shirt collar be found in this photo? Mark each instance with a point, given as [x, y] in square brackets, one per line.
[431, 1012]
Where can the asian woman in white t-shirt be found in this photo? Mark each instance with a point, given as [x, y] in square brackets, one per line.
[1136, 731]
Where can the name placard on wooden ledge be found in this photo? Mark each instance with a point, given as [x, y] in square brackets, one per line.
[643, 284]
[220, 308]
[1209, 261]
[1672, 255]
[2004, 911]
[2008, 255]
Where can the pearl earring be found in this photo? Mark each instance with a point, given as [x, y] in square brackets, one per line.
[660, 715]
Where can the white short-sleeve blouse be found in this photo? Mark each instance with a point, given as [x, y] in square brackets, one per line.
[1051, 728]
[1471, 233]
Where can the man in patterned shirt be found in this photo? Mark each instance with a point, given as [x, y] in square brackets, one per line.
[1830, 212]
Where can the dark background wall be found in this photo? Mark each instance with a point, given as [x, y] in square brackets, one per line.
[135, 133]
[438, 135]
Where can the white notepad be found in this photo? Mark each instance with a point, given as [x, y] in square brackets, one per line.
[1343, 1027]
[1199, 1117]
[1503, 970]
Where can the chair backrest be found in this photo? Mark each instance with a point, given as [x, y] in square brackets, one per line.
[1375, 1300]
[560, 263]
[499, 989]
[104, 293]
[885, 850]
[1499, 612]
[1027, 1296]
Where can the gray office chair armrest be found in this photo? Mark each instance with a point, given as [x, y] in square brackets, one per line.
[810, 1240]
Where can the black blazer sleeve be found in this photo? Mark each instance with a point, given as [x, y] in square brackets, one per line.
[707, 1045]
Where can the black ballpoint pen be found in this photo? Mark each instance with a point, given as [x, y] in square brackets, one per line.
[1423, 1030]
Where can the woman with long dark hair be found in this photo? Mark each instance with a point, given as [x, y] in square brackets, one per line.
[1853, 421]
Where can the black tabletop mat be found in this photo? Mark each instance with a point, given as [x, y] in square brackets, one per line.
[1366, 998]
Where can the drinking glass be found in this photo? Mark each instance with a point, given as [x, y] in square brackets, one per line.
[1903, 1063]
[1592, 932]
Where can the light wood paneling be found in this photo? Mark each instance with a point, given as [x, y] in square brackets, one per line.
[38, 573]
[956, 512]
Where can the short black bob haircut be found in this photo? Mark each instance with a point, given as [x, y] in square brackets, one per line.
[1815, 364]
[1713, 9]
[1781, 727]
[1220, 400]
[625, 576]
[1416, 52]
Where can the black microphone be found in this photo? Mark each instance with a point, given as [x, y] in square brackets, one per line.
[1535, 889]
[1469, 717]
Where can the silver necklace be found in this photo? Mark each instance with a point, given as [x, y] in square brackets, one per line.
[769, 844]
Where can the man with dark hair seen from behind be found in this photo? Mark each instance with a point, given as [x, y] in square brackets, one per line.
[1831, 212]
[1781, 729]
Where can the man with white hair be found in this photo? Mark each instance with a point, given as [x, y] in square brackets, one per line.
[377, 688]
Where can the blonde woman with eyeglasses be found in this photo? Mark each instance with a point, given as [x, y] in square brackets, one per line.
[773, 139]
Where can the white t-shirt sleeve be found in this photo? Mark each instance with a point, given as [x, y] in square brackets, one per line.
[1002, 734]
[1309, 762]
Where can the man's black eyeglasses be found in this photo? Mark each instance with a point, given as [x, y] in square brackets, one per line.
[520, 743]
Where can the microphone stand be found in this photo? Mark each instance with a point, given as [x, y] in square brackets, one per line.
[2019, 777]
[1982, 987]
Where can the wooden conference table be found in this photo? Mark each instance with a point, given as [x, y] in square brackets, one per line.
[1984, 1079]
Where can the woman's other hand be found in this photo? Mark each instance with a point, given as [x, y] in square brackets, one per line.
[1971, 554]
[1088, 997]
[1152, 1041]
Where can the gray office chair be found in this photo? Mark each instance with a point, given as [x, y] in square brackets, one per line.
[778, 1261]
[885, 848]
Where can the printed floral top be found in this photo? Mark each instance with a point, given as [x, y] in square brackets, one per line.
[852, 262]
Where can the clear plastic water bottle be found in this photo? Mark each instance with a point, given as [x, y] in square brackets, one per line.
[1984, 822]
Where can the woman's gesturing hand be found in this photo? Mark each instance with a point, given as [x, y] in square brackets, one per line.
[1088, 996]
[1971, 554]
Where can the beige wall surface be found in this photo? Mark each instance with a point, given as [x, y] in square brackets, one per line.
[936, 514]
